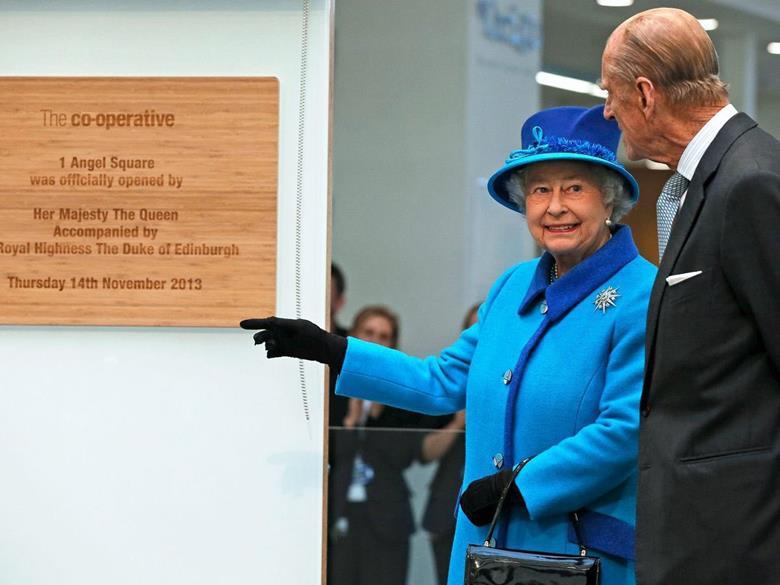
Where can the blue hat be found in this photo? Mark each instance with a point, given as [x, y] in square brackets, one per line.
[566, 133]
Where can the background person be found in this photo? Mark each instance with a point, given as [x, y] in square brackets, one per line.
[338, 297]
[447, 447]
[708, 505]
[371, 512]
[340, 444]
[337, 405]
[552, 369]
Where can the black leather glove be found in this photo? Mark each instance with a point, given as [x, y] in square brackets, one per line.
[298, 338]
[480, 499]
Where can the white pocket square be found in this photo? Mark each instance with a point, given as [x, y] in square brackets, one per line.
[678, 278]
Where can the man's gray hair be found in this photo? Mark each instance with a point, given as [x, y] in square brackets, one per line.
[615, 190]
[670, 47]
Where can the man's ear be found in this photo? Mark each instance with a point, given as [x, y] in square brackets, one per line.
[647, 96]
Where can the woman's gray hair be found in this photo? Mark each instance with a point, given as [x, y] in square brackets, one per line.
[615, 190]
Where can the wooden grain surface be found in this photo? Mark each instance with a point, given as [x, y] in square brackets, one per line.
[211, 186]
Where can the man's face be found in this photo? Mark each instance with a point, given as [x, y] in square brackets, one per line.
[624, 105]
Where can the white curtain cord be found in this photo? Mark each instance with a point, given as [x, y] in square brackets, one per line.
[299, 190]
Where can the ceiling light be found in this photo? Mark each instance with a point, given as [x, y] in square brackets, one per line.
[773, 48]
[708, 23]
[615, 3]
[569, 84]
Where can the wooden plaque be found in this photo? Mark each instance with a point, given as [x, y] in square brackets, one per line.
[137, 201]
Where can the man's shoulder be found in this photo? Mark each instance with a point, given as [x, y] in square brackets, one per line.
[754, 151]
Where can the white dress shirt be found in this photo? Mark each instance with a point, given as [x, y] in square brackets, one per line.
[696, 148]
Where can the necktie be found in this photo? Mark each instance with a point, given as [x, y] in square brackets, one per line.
[667, 206]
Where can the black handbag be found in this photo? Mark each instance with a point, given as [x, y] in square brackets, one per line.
[488, 565]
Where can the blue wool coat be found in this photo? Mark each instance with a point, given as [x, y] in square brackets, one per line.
[543, 373]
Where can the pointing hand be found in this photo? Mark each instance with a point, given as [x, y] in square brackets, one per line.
[298, 338]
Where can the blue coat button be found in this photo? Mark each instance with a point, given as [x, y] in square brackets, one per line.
[543, 308]
[498, 460]
[507, 377]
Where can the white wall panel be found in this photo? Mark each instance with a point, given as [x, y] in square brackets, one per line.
[170, 456]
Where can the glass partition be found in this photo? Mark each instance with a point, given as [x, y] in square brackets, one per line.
[392, 498]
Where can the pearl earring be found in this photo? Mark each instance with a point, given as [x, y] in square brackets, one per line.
[608, 222]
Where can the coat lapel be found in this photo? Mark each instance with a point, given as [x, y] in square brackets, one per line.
[683, 225]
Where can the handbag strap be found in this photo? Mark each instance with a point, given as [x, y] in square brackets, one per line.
[515, 472]
[573, 517]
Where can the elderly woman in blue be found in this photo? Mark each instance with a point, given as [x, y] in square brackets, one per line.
[552, 369]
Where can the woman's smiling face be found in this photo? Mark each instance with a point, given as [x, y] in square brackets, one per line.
[377, 329]
[565, 211]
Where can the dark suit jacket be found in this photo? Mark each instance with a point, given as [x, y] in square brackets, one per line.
[439, 515]
[708, 509]
[388, 450]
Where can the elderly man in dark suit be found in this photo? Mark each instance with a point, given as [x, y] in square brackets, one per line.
[709, 482]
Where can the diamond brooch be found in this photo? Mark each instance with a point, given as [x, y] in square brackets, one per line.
[606, 299]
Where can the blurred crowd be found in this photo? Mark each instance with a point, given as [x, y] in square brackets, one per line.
[371, 445]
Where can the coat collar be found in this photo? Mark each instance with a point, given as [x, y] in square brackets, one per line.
[583, 279]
